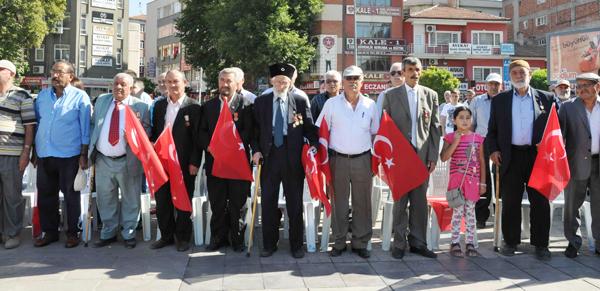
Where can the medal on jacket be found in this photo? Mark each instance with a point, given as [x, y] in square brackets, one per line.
[138, 115]
[297, 119]
[235, 116]
[187, 120]
[426, 115]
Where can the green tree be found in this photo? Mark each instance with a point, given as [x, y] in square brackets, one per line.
[149, 86]
[539, 80]
[439, 80]
[250, 34]
[24, 24]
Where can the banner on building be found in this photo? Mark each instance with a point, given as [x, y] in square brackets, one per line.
[109, 4]
[455, 48]
[103, 29]
[481, 49]
[373, 10]
[102, 50]
[377, 46]
[573, 53]
[102, 61]
[103, 17]
[102, 39]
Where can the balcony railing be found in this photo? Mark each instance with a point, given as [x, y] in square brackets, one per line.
[453, 49]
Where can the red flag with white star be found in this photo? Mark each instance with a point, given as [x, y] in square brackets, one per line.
[228, 150]
[323, 151]
[165, 149]
[312, 171]
[403, 170]
[551, 174]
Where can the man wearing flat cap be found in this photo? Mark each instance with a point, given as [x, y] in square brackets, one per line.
[282, 122]
[562, 90]
[517, 121]
[580, 124]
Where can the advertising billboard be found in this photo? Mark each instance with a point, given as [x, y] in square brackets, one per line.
[573, 53]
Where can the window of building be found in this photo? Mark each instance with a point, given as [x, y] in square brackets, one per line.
[141, 44]
[62, 52]
[525, 24]
[39, 54]
[372, 3]
[141, 61]
[58, 28]
[84, 1]
[479, 73]
[373, 29]
[67, 21]
[542, 41]
[374, 63]
[83, 24]
[120, 4]
[142, 27]
[443, 37]
[541, 1]
[175, 50]
[483, 37]
[542, 20]
[176, 7]
[119, 28]
[166, 30]
[82, 55]
[119, 57]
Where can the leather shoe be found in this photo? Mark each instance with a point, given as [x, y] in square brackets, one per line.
[72, 241]
[130, 243]
[397, 253]
[265, 253]
[238, 248]
[508, 250]
[480, 224]
[214, 245]
[543, 253]
[104, 242]
[159, 244]
[423, 252]
[183, 246]
[336, 252]
[298, 253]
[45, 240]
[363, 253]
[571, 251]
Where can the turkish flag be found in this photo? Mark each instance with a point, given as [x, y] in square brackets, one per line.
[403, 170]
[165, 148]
[228, 150]
[551, 174]
[310, 162]
[323, 151]
[142, 148]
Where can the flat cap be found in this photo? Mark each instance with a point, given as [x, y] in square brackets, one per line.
[588, 77]
[353, 71]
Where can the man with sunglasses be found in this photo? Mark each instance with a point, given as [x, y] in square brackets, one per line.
[333, 84]
[396, 79]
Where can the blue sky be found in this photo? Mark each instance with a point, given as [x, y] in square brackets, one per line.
[137, 7]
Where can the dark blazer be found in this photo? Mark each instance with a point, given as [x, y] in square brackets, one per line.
[210, 116]
[263, 133]
[499, 137]
[185, 133]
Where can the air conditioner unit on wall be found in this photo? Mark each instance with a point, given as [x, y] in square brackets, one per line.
[430, 28]
[38, 69]
[433, 62]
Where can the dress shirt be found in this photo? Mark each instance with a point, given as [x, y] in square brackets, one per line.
[284, 111]
[351, 130]
[594, 121]
[63, 123]
[102, 145]
[413, 101]
[522, 118]
[146, 98]
[248, 96]
[172, 109]
[480, 107]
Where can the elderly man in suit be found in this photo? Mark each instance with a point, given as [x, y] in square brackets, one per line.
[517, 121]
[182, 114]
[116, 166]
[227, 196]
[580, 123]
[282, 122]
[415, 111]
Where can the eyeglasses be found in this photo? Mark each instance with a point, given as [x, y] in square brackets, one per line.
[394, 73]
[352, 78]
[585, 86]
[59, 72]
[331, 81]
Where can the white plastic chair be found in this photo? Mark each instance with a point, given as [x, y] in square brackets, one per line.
[310, 221]
[199, 201]
[438, 185]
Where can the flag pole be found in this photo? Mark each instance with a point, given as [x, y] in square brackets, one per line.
[254, 202]
[88, 220]
[497, 211]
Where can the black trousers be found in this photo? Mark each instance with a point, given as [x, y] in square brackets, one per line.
[54, 175]
[278, 169]
[172, 221]
[227, 198]
[512, 184]
[482, 207]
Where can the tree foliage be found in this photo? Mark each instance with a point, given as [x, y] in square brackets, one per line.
[149, 86]
[439, 80]
[250, 34]
[24, 24]
[539, 79]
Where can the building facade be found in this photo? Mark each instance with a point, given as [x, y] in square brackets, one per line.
[137, 27]
[492, 7]
[93, 37]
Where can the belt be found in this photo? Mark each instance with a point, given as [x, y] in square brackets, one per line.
[336, 154]
[115, 158]
[522, 147]
[595, 156]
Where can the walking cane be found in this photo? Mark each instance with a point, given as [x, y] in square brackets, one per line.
[88, 221]
[254, 202]
[497, 211]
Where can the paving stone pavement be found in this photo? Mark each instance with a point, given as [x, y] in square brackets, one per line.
[117, 268]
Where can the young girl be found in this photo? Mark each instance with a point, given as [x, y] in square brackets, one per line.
[465, 148]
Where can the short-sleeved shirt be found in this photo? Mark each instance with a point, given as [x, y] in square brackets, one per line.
[469, 145]
[16, 111]
[448, 112]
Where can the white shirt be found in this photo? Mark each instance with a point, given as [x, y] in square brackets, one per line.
[448, 112]
[146, 98]
[350, 129]
[594, 121]
[172, 109]
[413, 101]
[102, 145]
[248, 96]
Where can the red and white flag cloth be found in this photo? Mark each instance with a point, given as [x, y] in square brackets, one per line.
[551, 174]
[323, 153]
[165, 148]
[310, 162]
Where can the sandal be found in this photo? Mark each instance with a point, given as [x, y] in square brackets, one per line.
[456, 251]
[471, 251]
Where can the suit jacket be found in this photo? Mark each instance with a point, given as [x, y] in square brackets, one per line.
[395, 103]
[185, 131]
[578, 137]
[134, 166]
[210, 116]
[263, 129]
[499, 137]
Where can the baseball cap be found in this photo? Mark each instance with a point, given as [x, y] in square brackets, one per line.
[562, 82]
[353, 71]
[589, 77]
[493, 77]
[6, 64]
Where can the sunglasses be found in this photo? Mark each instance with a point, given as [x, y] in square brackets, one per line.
[352, 78]
[394, 73]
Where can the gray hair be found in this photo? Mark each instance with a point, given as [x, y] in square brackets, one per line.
[239, 74]
[70, 67]
[233, 71]
[177, 72]
[396, 64]
[333, 74]
[128, 78]
[163, 75]
[411, 61]
[139, 83]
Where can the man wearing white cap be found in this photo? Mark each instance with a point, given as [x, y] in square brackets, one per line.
[17, 121]
[580, 123]
[353, 121]
[562, 90]
[480, 107]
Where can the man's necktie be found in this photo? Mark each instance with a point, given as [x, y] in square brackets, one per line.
[278, 124]
[113, 132]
